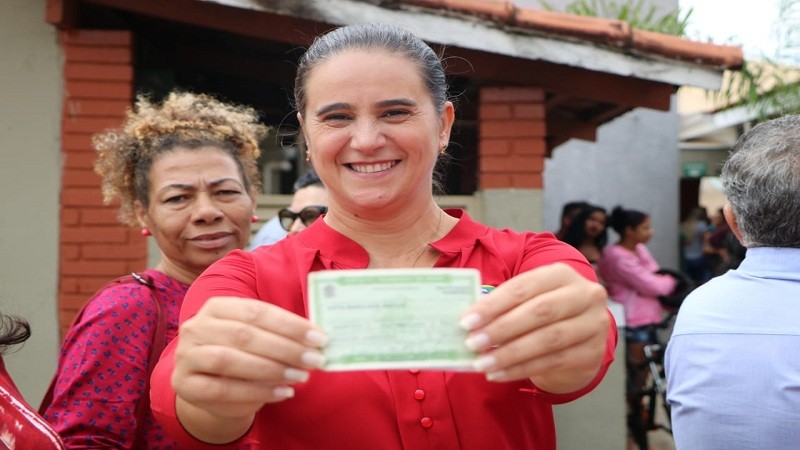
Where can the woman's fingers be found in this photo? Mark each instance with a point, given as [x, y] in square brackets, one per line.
[228, 397]
[543, 321]
[574, 344]
[261, 315]
[236, 354]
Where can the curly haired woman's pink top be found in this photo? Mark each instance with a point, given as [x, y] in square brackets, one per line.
[102, 365]
[630, 279]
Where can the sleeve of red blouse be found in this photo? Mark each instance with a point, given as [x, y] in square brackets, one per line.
[102, 369]
[541, 250]
[233, 275]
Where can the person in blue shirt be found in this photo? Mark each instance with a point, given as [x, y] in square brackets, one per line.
[733, 365]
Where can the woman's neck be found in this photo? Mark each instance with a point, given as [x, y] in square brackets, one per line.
[172, 270]
[397, 239]
[630, 244]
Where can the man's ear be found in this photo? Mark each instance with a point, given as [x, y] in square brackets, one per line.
[730, 217]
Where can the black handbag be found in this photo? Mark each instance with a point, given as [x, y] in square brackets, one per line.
[683, 286]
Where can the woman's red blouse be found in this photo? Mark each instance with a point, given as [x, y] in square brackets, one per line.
[384, 409]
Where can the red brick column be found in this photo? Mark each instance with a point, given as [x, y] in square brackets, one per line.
[512, 145]
[94, 246]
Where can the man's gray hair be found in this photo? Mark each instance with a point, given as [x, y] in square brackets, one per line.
[761, 179]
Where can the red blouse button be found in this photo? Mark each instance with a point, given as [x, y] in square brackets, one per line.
[414, 371]
[419, 394]
[426, 422]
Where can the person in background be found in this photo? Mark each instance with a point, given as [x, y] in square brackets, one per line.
[587, 233]
[185, 172]
[628, 270]
[372, 104]
[20, 426]
[732, 363]
[568, 212]
[309, 202]
[694, 232]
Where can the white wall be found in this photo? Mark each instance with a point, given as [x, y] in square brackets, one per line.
[30, 167]
[634, 163]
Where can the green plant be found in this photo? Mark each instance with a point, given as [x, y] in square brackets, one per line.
[767, 87]
[637, 13]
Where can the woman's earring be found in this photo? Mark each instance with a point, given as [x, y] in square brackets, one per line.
[146, 232]
[254, 219]
[308, 156]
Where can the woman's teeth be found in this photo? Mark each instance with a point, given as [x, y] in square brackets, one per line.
[371, 168]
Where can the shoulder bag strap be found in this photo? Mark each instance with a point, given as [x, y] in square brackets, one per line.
[156, 348]
[158, 343]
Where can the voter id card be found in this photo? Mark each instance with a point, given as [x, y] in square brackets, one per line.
[382, 319]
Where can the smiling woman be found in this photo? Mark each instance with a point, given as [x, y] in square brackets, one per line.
[372, 102]
[185, 171]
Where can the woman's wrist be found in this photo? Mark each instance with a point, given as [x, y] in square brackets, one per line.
[209, 428]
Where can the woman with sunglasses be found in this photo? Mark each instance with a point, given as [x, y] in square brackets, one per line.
[372, 104]
[309, 202]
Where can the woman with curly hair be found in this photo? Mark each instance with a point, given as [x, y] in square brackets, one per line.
[185, 172]
[20, 427]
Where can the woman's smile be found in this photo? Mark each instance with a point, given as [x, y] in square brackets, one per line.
[372, 167]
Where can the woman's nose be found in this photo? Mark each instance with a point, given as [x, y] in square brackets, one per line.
[297, 226]
[367, 136]
[206, 209]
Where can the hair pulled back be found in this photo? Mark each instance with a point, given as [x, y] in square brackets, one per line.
[373, 36]
[185, 120]
[623, 218]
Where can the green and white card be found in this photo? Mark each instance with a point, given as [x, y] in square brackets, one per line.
[382, 319]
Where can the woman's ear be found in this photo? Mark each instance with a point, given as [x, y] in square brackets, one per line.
[730, 217]
[447, 119]
[141, 214]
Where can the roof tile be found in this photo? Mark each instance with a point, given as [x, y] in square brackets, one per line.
[608, 31]
[726, 56]
[615, 33]
[502, 10]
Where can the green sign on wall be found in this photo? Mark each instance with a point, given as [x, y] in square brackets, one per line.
[694, 169]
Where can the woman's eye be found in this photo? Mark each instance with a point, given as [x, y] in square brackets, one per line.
[395, 113]
[176, 199]
[336, 117]
[228, 192]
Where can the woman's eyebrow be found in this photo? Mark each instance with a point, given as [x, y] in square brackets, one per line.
[332, 107]
[397, 102]
[381, 104]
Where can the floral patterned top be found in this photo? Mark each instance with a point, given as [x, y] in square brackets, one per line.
[103, 363]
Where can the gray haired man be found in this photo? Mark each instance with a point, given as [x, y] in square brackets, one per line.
[733, 363]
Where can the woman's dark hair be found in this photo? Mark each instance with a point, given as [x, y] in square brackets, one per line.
[623, 218]
[375, 36]
[13, 331]
[576, 232]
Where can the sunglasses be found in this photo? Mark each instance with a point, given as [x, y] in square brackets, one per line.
[307, 215]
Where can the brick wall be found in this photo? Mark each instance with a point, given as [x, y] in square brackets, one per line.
[94, 246]
[511, 146]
